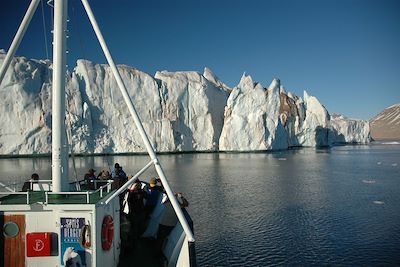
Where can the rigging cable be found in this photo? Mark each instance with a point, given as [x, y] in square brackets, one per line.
[76, 27]
[44, 30]
[50, 3]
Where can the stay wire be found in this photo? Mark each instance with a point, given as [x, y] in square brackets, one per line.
[50, 3]
[44, 30]
[78, 32]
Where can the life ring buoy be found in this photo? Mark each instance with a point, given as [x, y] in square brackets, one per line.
[107, 232]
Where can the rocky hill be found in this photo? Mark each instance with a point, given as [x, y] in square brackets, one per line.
[181, 111]
[386, 125]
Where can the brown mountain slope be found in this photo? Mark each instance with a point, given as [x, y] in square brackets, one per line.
[386, 125]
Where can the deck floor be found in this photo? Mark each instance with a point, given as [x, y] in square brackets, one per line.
[136, 251]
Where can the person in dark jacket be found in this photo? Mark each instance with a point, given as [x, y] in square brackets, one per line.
[119, 176]
[153, 195]
[89, 177]
[27, 185]
[136, 199]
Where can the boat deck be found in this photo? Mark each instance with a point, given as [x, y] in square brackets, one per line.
[139, 252]
[135, 251]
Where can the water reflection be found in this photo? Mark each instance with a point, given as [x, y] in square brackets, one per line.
[300, 207]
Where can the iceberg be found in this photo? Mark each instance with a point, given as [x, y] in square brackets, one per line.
[345, 130]
[181, 111]
[252, 120]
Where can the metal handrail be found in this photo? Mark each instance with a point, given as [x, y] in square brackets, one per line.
[6, 187]
[47, 193]
[17, 193]
[87, 193]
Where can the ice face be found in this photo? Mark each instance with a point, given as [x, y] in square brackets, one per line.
[181, 111]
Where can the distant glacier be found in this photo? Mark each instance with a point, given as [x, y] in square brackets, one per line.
[181, 111]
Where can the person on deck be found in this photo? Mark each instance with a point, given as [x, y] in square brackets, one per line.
[89, 177]
[136, 215]
[27, 185]
[104, 175]
[153, 195]
[119, 176]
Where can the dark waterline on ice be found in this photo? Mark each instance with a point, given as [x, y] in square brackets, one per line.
[302, 207]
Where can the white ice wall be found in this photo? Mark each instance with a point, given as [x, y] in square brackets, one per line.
[181, 111]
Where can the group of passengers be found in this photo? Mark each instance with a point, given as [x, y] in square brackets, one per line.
[150, 211]
[117, 174]
[145, 205]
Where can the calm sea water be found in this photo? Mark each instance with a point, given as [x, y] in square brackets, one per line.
[305, 207]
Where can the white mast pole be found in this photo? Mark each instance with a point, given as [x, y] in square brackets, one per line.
[59, 148]
[138, 123]
[18, 37]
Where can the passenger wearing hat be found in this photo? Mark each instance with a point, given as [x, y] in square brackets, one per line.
[153, 182]
[153, 195]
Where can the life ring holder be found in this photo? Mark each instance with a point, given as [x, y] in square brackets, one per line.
[107, 232]
[85, 238]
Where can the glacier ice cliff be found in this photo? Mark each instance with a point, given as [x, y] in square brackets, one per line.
[181, 111]
[346, 130]
[252, 119]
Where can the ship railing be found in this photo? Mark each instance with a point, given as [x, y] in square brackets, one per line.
[178, 250]
[40, 185]
[9, 187]
[107, 187]
[13, 189]
[15, 193]
[34, 185]
[93, 183]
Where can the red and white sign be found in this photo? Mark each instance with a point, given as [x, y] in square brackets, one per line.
[38, 244]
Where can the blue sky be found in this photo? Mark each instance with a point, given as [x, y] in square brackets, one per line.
[344, 52]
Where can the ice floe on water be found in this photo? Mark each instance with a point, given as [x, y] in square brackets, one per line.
[379, 202]
[391, 143]
[368, 181]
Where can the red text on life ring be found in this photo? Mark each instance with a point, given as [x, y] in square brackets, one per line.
[107, 232]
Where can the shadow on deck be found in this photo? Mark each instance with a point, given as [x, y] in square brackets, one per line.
[135, 250]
